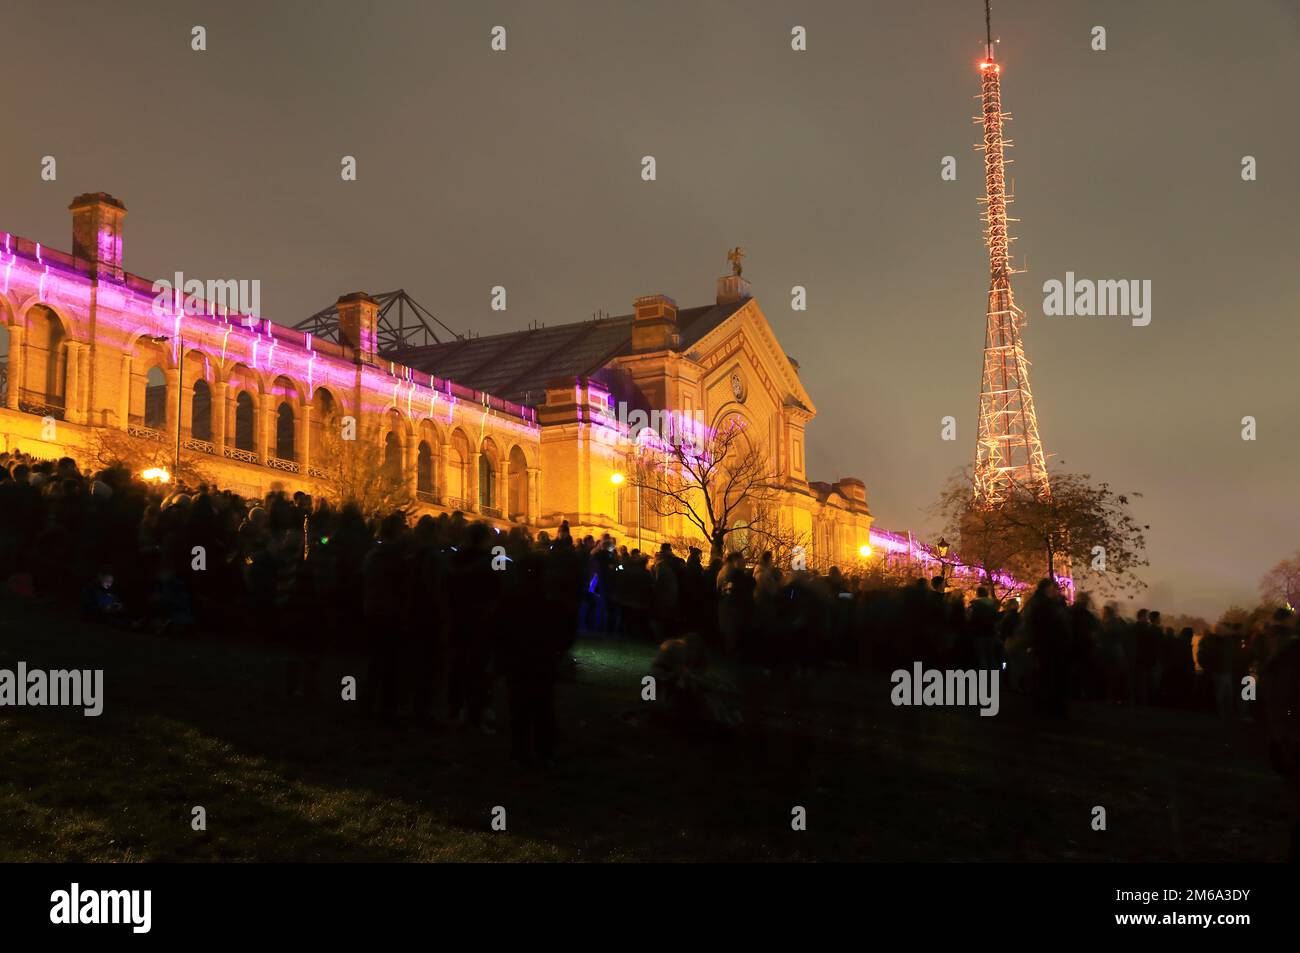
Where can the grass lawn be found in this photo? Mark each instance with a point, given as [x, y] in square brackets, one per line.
[207, 722]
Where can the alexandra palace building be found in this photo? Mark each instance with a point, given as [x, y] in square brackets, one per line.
[527, 427]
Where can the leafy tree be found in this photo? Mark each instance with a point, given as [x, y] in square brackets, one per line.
[1080, 528]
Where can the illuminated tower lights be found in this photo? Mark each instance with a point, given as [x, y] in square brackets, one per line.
[1008, 452]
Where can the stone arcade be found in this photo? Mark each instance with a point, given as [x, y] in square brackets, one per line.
[516, 428]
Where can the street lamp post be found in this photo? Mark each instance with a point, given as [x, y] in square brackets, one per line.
[942, 549]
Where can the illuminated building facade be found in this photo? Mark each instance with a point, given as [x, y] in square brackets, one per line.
[528, 427]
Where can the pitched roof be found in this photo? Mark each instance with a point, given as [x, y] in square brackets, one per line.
[517, 365]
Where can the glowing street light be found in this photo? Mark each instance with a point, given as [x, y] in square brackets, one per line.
[616, 479]
[156, 475]
[864, 551]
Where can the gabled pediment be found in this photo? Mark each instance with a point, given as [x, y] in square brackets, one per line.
[747, 330]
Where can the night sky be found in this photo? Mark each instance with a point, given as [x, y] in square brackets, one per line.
[522, 169]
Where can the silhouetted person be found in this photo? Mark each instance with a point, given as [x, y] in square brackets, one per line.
[1045, 623]
[983, 627]
[530, 649]
[382, 578]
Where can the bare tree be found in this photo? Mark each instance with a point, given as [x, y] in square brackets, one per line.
[356, 470]
[1281, 584]
[723, 484]
[111, 447]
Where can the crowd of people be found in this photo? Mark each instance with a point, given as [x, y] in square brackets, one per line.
[447, 608]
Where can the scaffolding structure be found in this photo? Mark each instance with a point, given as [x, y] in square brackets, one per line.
[1009, 455]
[402, 322]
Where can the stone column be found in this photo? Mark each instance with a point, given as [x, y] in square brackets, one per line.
[502, 498]
[187, 408]
[261, 426]
[17, 364]
[303, 436]
[72, 384]
[534, 495]
[124, 394]
[219, 411]
[173, 375]
[440, 473]
[471, 483]
[409, 452]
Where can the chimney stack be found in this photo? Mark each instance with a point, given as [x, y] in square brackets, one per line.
[654, 327]
[358, 316]
[97, 233]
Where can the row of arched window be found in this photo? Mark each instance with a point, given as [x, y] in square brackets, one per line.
[42, 381]
[488, 493]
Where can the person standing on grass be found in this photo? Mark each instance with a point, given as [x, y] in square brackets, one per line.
[381, 585]
[532, 640]
[1045, 621]
[475, 618]
[983, 622]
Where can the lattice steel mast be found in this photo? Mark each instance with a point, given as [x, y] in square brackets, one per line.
[1008, 453]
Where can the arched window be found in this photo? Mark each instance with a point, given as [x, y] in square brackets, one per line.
[155, 398]
[46, 357]
[458, 469]
[738, 538]
[201, 411]
[392, 456]
[245, 414]
[284, 431]
[424, 469]
[4, 365]
[325, 432]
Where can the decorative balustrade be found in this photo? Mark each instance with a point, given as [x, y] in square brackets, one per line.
[202, 446]
[456, 503]
[146, 433]
[316, 473]
[426, 496]
[40, 410]
[288, 466]
[244, 456]
[492, 511]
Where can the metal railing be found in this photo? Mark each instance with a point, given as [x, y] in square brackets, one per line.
[40, 410]
[245, 456]
[146, 433]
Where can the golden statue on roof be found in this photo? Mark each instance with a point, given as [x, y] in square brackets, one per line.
[735, 256]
